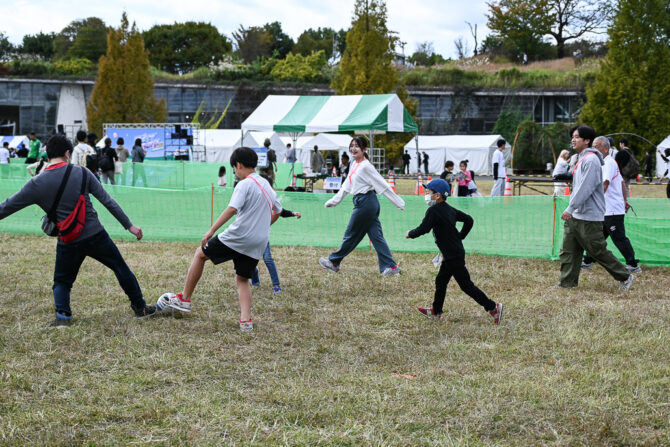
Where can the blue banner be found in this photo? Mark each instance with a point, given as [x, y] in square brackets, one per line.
[158, 142]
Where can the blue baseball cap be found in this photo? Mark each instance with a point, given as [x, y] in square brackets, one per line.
[440, 186]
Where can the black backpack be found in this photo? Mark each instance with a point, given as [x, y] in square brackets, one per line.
[629, 167]
[105, 163]
[92, 161]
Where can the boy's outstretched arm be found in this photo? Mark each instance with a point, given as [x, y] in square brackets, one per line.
[423, 228]
[223, 218]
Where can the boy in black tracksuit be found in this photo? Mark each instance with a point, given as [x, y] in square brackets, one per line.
[442, 218]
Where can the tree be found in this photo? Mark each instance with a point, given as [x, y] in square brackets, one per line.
[314, 40]
[183, 47]
[282, 43]
[85, 38]
[124, 88]
[6, 47]
[252, 43]
[425, 55]
[40, 45]
[367, 65]
[573, 19]
[296, 67]
[521, 25]
[631, 92]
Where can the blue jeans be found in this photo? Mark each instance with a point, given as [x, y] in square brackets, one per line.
[100, 247]
[270, 264]
[365, 220]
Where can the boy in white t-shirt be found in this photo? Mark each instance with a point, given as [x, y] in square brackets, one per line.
[256, 207]
[4, 153]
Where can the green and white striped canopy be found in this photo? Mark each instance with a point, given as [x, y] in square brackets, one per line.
[313, 114]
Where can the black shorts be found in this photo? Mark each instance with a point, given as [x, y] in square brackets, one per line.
[219, 252]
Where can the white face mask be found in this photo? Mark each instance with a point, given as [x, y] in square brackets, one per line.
[429, 201]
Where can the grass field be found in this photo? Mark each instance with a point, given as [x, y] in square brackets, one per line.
[324, 366]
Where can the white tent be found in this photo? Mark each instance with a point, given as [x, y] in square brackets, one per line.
[15, 141]
[219, 143]
[477, 149]
[257, 138]
[661, 165]
[325, 142]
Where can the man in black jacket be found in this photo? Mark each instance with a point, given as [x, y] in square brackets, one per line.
[442, 218]
[93, 240]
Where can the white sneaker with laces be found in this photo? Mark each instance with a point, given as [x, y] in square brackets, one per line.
[247, 326]
[328, 265]
[391, 271]
[177, 301]
[637, 269]
[625, 285]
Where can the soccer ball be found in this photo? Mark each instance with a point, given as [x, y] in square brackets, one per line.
[162, 302]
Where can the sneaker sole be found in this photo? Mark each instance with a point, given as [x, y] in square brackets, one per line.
[181, 309]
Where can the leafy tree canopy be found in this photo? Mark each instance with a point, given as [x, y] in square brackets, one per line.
[631, 93]
[321, 39]
[183, 47]
[282, 43]
[85, 38]
[40, 45]
[252, 43]
[124, 88]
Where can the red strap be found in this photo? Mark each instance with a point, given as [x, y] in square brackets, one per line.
[265, 195]
[575, 168]
[56, 166]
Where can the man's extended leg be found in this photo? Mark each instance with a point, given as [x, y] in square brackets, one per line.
[571, 255]
[590, 236]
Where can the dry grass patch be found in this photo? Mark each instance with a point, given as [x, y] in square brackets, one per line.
[578, 367]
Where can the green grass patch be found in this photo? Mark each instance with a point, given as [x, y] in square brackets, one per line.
[587, 366]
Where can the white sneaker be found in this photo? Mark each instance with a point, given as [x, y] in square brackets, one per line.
[637, 269]
[625, 285]
[328, 265]
[391, 271]
[247, 326]
[586, 266]
[176, 301]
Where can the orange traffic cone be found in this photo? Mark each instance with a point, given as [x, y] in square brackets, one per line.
[567, 191]
[391, 181]
[429, 179]
[293, 181]
[419, 186]
[508, 188]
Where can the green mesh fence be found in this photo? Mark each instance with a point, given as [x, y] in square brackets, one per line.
[520, 226]
[167, 174]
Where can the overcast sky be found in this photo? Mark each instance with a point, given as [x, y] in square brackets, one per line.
[437, 21]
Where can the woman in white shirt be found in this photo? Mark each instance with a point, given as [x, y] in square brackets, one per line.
[562, 168]
[364, 182]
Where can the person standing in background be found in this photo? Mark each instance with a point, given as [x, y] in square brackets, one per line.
[35, 146]
[499, 173]
[269, 171]
[123, 153]
[138, 155]
[425, 162]
[290, 154]
[648, 163]
[316, 161]
[107, 158]
[405, 162]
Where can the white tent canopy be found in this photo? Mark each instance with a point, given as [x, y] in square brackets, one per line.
[219, 143]
[325, 142]
[477, 149]
[661, 165]
[15, 141]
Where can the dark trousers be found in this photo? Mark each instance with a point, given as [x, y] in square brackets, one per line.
[667, 190]
[405, 167]
[365, 220]
[100, 247]
[582, 235]
[613, 227]
[647, 172]
[425, 167]
[456, 268]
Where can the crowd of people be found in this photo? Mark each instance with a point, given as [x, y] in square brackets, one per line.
[596, 211]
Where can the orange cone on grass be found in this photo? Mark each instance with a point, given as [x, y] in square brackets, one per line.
[508, 188]
[293, 183]
[391, 180]
[419, 186]
[567, 191]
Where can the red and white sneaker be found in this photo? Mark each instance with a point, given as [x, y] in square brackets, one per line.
[247, 325]
[429, 312]
[178, 302]
[497, 313]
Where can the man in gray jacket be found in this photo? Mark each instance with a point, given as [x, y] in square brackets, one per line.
[583, 228]
[93, 240]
